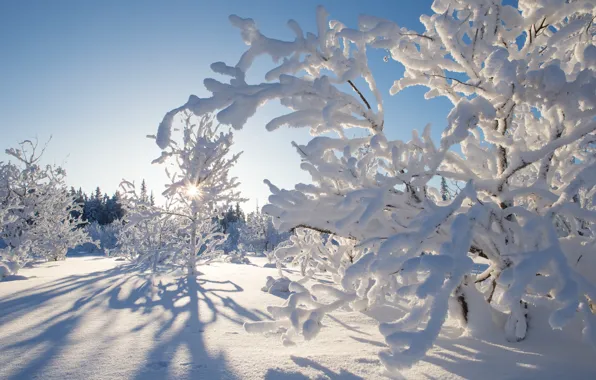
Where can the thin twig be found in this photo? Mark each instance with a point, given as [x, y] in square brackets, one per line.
[321, 230]
[359, 93]
[457, 80]
[417, 35]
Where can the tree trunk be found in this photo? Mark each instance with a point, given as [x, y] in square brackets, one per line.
[471, 309]
[516, 326]
[192, 259]
[155, 261]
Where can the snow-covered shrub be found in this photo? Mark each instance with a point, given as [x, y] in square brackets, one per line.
[4, 271]
[520, 136]
[260, 233]
[236, 257]
[316, 252]
[106, 235]
[249, 250]
[54, 228]
[147, 238]
[277, 285]
[40, 218]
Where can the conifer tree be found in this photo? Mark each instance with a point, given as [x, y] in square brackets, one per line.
[445, 195]
[143, 194]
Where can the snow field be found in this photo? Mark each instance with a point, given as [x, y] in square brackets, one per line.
[94, 318]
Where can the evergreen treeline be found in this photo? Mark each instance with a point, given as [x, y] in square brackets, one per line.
[98, 207]
[103, 208]
[230, 217]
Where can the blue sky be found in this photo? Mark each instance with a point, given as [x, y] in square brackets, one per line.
[99, 76]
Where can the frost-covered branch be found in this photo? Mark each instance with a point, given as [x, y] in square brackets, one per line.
[520, 135]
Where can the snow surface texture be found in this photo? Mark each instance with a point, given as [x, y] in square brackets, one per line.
[519, 142]
[89, 318]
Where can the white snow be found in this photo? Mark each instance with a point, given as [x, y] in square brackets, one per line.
[92, 318]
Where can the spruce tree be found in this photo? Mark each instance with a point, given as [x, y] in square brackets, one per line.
[98, 193]
[444, 190]
[144, 197]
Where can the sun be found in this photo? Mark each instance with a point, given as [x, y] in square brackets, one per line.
[193, 191]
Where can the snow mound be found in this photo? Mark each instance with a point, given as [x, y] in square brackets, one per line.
[236, 259]
[273, 265]
[277, 285]
[4, 272]
[8, 269]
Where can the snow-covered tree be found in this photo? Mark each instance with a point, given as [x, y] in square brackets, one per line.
[260, 233]
[54, 228]
[41, 216]
[105, 235]
[520, 136]
[198, 164]
[149, 237]
[7, 218]
[232, 224]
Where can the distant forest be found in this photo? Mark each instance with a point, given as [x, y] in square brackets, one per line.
[105, 209]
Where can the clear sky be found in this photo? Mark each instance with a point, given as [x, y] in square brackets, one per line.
[99, 76]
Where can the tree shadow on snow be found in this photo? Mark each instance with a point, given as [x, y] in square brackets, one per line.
[469, 357]
[279, 294]
[14, 277]
[175, 314]
[44, 347]
[190, 304]
[346, 326]
[276, 374]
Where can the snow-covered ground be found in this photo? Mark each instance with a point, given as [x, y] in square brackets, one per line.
[94, 318]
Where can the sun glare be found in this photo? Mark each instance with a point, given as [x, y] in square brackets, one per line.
[193, 191]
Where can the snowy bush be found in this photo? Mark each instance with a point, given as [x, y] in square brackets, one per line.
[277, 285]
[4, 271]
[315, 252]
[40, 219]
[236, 257]
[146, 238]
[520, 136]
[106, 235]
[260, 233]
[54, 227]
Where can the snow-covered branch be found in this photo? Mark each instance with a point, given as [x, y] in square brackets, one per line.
[520, 135]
